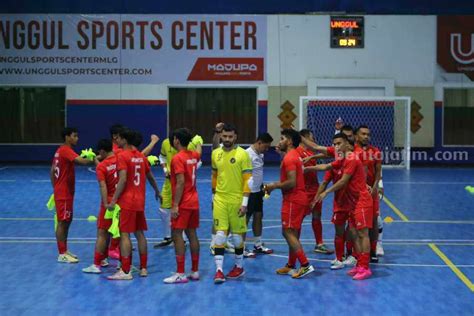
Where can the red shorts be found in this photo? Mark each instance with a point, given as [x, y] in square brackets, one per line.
[64, 210]
[292, 215]
[376, 205]
[131, 221]
[103, 223]
[361, 218]
[187, 219]
[340, 217]
[317, 207]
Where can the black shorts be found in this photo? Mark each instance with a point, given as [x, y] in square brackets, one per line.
[255, 203]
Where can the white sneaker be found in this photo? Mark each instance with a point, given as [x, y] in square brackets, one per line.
[193, 276]
[92, 269]
[120, 275]
[67, 258]
[72, 255]
[350, 261]
[334, 261]
[176, 278]
[379, 251]
[143, 272]
[104, 263]
[336, 265]
[133, 269]
[249, 254]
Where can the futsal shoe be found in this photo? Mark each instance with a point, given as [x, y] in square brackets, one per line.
[379, 251]
[323, 249]
[353, 271]
[164, 243]
[176, 278]
[249, 254]
[303, 271]
[67, 258]
[104, 263]
[262, 249]
[120, 275]
[193, 276]
[374, 258]
[114, 254]
[337, 265]
[235, 273]
[362, 274]
[92, 269]
[143, 272]
[219, 277]
[72, 255]
[350, 261]
[286, 270]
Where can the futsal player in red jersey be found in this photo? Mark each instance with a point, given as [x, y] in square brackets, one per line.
[311, 187]
[185, 204]
[372, 160]
[354, 182]
[114, 249]
[106, 172]
[133, 168]
[294, 204]
[62, 175]
[340, 215]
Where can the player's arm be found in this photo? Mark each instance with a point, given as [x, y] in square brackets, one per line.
[321, 167]
[378, 176]
[122, 174]
[288, 184]
[153, 141]
[246, 176]
[84, 161]
[337, 186]
[216, 139]
[178, 195]
[151, 179]
[314, 146]
[51, 175]
[103, 192]
[317, 156]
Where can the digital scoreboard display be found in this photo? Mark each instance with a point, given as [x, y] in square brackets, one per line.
[347, 31]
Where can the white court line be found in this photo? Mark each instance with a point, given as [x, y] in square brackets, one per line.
[425, 182]
[418, 265]
[90, 169]
[7, 181]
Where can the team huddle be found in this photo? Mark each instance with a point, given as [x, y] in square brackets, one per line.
[238, 192]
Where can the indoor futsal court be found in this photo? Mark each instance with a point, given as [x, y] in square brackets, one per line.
[428, 262]
[342, 129]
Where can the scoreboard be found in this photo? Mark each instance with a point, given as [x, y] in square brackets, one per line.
[347, 31]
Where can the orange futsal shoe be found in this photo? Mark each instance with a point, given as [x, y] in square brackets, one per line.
[235, 273]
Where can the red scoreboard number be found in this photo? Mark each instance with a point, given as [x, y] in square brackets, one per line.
[347, 31]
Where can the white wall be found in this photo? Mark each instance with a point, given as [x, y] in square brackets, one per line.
[402, 48]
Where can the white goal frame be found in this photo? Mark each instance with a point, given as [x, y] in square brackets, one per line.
[407, 143]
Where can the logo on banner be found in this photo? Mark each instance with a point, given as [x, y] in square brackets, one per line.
[248, 69]
[455, 52]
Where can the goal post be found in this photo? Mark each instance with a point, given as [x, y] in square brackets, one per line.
[387, 117]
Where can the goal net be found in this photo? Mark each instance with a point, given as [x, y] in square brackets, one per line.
[387, 117]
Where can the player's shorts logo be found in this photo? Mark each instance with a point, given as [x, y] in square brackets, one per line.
[232, 160]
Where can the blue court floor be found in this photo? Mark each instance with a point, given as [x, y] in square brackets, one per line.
[428, 267]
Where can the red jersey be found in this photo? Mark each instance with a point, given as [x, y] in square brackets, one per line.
[310, 178]
[356, 190]
[107, 171]
[185, 162]
[370, 157]
[340, 199]
[137, 166]
[64, 175]
[292, 162]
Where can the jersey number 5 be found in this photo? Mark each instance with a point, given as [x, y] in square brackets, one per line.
[136, 179]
